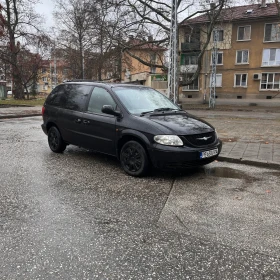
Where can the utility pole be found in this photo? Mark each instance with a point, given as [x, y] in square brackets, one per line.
[212, 97]
[55, 75]
[172, 68]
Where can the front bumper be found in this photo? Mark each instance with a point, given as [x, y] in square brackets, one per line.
[167, 157]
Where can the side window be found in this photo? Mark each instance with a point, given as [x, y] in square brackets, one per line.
[100, 97]
[76, 96]
[57, 96]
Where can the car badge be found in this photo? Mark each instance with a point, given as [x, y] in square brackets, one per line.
[204, 138]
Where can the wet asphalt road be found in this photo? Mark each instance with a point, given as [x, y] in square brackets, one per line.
[78, 216]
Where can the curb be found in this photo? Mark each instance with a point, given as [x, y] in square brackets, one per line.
[20, 116]
[247, 161]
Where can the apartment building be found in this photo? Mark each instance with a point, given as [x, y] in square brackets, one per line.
[248, 58]
[135, 71]
[51, 73]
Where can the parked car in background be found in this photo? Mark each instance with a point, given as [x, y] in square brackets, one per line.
[136, 124]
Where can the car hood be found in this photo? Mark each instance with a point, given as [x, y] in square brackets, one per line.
[180, 124]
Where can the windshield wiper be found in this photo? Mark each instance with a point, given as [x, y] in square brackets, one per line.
[143, 113]
[160, 110]
[165, 109]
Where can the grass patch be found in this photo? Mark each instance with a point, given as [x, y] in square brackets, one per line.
[26, 102]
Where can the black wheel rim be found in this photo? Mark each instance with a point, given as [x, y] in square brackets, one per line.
[53, 140]
[132, 158]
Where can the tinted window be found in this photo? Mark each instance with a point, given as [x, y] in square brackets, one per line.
[76, 96]
[100, 97]
[69, 96]
[56, 96]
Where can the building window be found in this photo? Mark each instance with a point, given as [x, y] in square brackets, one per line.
[219, 79]
[45, 79]
[45, 87]
[219, 59]
[242, 57]
[44, 70]
[270, 81]
[271, 57]
[240, 80]
[153, 70]
[220, 35]
[272, 32]
[191, 87]
[244, 33]
[189, 59]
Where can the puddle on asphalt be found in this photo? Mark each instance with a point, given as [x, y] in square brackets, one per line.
[226, 172]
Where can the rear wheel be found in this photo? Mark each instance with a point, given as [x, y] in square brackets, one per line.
[134, 159]
[55, 140]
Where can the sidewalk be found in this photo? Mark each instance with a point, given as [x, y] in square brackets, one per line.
[19, 112]
[250, 135]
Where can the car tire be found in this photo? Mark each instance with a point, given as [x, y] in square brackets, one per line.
[55, 140]
[134, 159]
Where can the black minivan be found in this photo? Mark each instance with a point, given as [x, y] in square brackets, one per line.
[137, 124]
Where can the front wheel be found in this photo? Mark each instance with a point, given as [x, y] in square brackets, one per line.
[134, 159]
[55, 140]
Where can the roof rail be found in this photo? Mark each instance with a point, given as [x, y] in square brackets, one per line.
[82, 80]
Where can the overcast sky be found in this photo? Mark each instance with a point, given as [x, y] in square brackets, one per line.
[46, 9]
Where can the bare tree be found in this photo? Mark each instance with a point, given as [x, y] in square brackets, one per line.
[153, 17]
[75, 30]
[20, 29]
[89, 32]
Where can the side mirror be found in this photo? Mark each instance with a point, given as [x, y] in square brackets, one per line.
[108, 109]
[180, 105]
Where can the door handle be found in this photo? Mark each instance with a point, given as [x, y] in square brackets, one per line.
[86, 122]
[78, 120]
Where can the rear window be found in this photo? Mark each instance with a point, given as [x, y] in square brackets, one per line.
[69, 96]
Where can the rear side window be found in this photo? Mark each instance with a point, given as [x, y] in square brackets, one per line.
[69, 96]
[76, 97]
[56, 96]
[99, 98]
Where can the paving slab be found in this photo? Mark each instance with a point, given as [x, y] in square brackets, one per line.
[231, 208]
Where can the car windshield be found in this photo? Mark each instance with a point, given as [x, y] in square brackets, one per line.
[142, 100]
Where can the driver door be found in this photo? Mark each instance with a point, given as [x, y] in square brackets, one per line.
[99, 128]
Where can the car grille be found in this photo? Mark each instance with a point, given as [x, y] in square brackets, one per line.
[198, 140]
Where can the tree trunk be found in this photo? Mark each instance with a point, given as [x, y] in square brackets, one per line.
[18, 91]
[14, 48]
[81, 60]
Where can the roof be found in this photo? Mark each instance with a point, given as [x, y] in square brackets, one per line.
[239, 13]
[59, 63]
[143, 45]
[106, 84]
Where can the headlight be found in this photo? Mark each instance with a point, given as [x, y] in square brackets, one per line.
[168, 140]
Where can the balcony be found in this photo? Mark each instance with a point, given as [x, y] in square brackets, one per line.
[185, 47]
[188, 68]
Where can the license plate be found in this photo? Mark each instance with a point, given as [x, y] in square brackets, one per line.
[208, 154]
